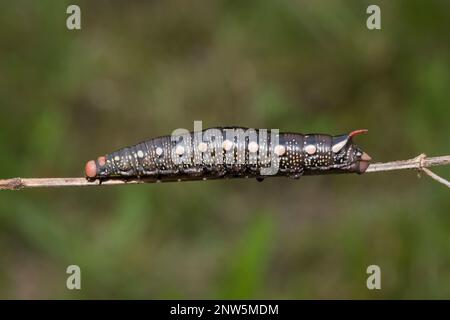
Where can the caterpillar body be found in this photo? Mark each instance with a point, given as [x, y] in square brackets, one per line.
[232, 152]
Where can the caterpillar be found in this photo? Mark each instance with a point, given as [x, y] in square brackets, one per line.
[232, 152]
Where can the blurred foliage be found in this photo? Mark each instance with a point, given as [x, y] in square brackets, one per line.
[138, 69]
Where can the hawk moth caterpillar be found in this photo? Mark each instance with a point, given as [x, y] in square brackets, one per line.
[232, 152]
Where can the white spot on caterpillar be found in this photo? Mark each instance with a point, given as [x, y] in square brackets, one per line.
[338, 146]
[310, 149]
[140, 154]
[253, 147]
[227, 145]
[202, 147]
[279, 150]
[159, 151]
[117, 158]
[179, 150]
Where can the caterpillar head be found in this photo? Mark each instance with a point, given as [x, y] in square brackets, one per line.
[347, 155]
[94, 168]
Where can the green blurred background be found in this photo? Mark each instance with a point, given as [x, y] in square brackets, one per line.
[139, 69]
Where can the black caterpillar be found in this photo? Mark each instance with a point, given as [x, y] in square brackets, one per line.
[232, 152]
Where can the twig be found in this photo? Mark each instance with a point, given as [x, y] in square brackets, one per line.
[436, 177]
[420, 163]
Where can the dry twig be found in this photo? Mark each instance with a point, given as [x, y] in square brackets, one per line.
[420, 163]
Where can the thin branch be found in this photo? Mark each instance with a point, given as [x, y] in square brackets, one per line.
[434, 176]
[420, 163]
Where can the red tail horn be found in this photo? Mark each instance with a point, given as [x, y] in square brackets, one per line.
[357, 132]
